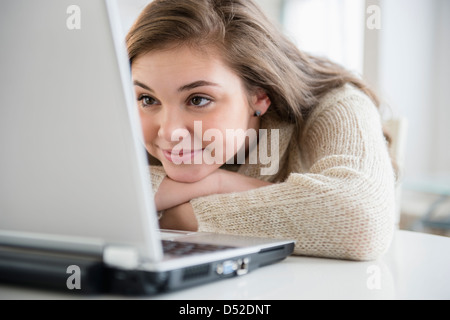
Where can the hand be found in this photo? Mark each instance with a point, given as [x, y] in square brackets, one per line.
[172, 193]
[180, 217]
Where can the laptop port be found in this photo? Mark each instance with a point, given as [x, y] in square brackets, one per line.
[243, 266]
[226, 267]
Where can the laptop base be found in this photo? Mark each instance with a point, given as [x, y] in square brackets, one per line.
[87, 275]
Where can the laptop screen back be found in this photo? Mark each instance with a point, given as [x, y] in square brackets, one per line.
[70, 158]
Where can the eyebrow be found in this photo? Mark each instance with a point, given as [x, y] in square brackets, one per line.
[187, 87]
[140, 84]
[197, 84]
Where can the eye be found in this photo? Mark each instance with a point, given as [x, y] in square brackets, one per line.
[198, 101]
[147, 101]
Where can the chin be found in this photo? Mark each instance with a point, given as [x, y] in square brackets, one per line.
[188, 174]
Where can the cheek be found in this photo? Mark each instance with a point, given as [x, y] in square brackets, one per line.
[149, 129]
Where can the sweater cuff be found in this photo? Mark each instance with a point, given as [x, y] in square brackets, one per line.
[206, 209]
[200, 208]
[157, 174]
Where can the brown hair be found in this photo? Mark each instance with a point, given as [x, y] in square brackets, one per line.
[251, 46]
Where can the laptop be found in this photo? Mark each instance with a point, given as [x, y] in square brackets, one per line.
[76, 205]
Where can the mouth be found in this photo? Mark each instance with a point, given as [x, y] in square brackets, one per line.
[181, 156]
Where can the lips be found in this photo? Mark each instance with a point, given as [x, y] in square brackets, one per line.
[181, 156]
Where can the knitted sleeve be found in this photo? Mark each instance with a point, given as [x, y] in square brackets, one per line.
[342, 207]
[157, 176]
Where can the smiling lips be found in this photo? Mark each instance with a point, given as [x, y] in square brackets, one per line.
[183, 156]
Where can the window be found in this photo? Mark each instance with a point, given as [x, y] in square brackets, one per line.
[330, 28]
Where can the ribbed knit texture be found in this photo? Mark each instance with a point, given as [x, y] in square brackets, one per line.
[334, 191]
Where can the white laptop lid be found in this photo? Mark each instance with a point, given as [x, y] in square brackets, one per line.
[70, 159]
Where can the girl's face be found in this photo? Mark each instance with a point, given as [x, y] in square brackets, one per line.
[187, 102]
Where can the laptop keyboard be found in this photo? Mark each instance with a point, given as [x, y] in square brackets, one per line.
[176, 248]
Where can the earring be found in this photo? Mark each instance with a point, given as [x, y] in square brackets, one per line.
[257, 113]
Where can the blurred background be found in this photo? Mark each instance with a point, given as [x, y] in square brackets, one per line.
[402, 49]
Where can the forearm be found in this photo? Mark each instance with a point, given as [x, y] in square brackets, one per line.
[231, 182]
[328, 216]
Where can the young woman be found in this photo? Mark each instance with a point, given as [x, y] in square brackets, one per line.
[203, 69]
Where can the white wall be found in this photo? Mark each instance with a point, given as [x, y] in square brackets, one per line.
[441, 162]
[272, 8]
[129, 10]
[414, 78]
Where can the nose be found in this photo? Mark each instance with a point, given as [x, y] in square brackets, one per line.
[172, 125]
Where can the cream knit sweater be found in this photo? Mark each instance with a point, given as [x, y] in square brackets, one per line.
[334, 191]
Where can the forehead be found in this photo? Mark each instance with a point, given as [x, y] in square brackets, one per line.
[179, 61]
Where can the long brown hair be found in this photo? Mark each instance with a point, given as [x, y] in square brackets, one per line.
[251, 46]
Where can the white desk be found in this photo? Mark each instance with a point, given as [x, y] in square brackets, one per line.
[417, 266]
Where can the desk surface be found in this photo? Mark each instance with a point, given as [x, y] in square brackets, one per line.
[417, 266]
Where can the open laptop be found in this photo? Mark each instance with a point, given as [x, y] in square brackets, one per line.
[76, 206]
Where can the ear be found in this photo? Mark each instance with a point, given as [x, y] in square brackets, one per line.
[260, 101]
